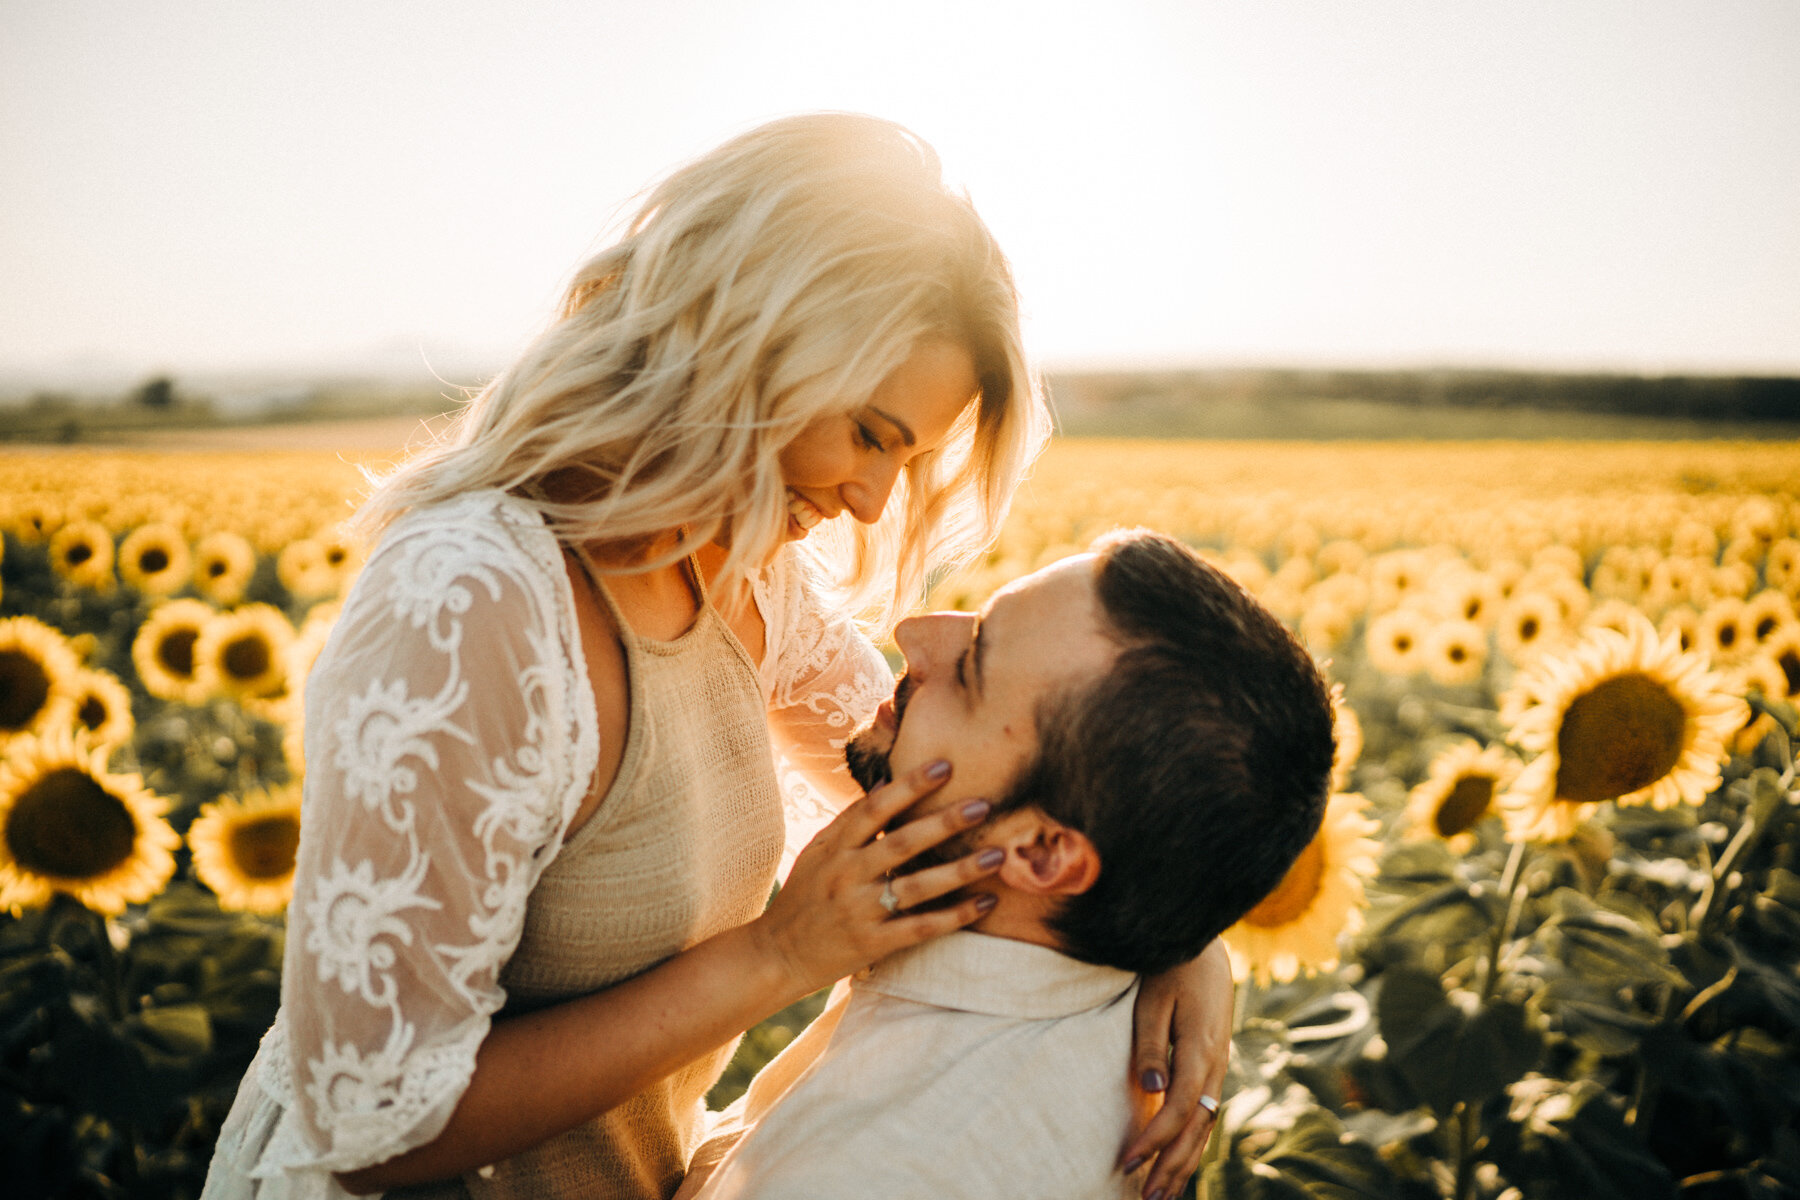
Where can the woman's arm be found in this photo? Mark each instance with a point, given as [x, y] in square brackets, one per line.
[545, 1072]
[1189, 1008]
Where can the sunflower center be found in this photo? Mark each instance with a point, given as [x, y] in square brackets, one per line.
[176, 652]
[1457, 653]
[1764, 627]
[1403, 642]
[92, 713]
[245, 657]
[77, 554]
[1790, 666]
[1727, 636]
[1528, 629]
[1296, 891]
[263, 847]
[1466, 804]
[24, 689]
[153, 560]
[67, 825]
[1622, 735]
[335, 555]
[216, 568]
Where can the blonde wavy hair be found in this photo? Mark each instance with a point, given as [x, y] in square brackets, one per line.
[770, 283]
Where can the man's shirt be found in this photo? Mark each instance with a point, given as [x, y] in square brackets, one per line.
[970, 1066]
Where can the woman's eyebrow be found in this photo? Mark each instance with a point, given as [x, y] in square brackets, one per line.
[906, 433]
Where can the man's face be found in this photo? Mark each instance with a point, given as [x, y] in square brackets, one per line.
[973, 684]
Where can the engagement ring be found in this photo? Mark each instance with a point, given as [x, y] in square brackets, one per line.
[1210, 1104]
[889, 901]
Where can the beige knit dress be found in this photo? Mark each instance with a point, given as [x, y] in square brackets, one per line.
[683, 846]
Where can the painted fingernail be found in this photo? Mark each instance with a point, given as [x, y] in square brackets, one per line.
[986, 901]
[991, 858]
[974, 810]
[1136, 1162]
[938, 770]
[1154, 1080]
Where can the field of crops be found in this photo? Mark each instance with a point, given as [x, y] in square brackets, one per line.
[1546, 942]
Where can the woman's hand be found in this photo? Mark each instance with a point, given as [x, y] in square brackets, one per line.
[1188, 1007]
[829, 920]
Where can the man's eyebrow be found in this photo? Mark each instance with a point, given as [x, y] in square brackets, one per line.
[980, 650]
[906, 433]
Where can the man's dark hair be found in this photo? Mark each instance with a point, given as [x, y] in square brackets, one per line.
[1198, 765]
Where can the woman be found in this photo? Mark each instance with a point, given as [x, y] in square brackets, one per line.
[541, 814]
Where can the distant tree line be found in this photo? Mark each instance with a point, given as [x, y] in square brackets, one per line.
[1691, 397]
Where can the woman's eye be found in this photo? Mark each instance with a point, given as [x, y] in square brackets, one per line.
[867, 437]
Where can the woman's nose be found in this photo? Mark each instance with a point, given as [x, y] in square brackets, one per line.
[867, 495]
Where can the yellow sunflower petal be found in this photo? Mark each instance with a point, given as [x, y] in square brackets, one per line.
[68, 825]
[1297, 926]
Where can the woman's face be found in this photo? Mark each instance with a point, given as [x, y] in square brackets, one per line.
[849, 462]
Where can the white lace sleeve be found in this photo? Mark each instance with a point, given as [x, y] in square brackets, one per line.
[448, 743]
[824, 679]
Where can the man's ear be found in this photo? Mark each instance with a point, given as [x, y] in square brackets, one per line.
[1044, 857]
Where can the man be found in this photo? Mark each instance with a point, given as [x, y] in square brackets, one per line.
[1156, 749]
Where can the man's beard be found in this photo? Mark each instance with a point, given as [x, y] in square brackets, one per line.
[867, 760]
[868, 763]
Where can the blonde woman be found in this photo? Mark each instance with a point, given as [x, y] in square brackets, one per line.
[542, 812]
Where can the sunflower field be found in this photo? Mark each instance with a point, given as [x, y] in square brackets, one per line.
[1546, 943]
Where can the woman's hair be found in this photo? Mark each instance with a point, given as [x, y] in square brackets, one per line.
[774, 281]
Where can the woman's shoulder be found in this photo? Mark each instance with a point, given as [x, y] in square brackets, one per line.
[482, 530]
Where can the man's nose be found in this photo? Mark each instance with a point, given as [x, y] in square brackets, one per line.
[930, 640]
[867, 495]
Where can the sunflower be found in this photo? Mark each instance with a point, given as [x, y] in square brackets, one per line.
[154, 559]
[1396, 577]
[67, 825]
[37, 667]
[1768, 614]
[1467, 596]
[1784, 651]
[102, 707]
[34, 518]
[1683, 624]
[1296, 927]
[240, 653]
[1324, 624]
[1459, 792]
[163, 650]
[1454, 652]
[82, 553]
[1723, 634]
[1623, 717]
[223, 564]
[304, 569]
[1530, 622]
[1621, 574]
[244, 849]
[1763, 676]
[1781, 567]
[1394, 638]
[1611, 614]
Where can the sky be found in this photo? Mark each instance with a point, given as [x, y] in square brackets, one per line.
[212, 185]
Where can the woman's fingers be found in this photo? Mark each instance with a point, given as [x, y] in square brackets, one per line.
[921, 833]
[1186, 1010]
[860, 822]
[923, 886]
[909, 929]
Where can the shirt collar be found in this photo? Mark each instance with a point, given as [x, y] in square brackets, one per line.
[975, 972]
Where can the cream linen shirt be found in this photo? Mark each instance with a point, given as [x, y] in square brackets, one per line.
[968, 1067]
